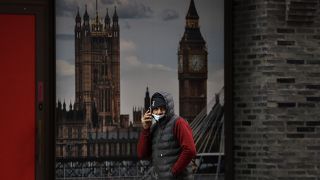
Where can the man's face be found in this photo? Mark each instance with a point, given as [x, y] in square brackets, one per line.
[159, 110]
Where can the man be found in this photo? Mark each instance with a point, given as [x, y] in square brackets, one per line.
[168, 141]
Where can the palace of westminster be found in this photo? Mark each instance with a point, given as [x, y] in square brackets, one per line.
[93, 127]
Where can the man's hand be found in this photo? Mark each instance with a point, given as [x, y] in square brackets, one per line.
[146, 120]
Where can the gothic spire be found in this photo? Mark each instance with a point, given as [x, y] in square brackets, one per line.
[59, 104]
[70, 106]
[192, 30]
[97, 17]
[192, 12]
[147, 92]
[115, 15]
[147, 100]
[107, 18]
[86, 15]
[97, 7]
[115, 25]
[78, 18]
[64, 105]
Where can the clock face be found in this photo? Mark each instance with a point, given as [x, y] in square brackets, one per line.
[196, 63]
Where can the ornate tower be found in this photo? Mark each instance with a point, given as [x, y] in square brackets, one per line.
[78, 30]
[97, 62]
[192, 67]
[115, 63]
[147, 100]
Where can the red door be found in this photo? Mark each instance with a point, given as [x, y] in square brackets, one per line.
[17, 91]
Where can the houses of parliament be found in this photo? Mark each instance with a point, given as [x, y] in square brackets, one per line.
[93, 127]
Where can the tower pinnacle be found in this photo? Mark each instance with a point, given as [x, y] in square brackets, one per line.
[192, 18]
[192, 12]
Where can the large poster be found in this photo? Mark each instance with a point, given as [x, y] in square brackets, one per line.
[111, 56]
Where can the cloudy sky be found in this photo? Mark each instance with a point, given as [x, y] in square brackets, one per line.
[150, 31]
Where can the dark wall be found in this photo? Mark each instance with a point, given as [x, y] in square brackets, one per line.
[276, 59]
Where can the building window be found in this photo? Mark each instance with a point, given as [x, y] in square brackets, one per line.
[61, 150]
[108, 100]
[90, 150]
[102, 150]
[69, 150]
[79, 150]
[128, 149]
[112, 149]
[133, 147]
[95, 76]
[96, 150]
[100, 102]
[79, 133]
[60, 132]
[69, 132]
[106, 70]
[103, 100]
[75, 151]
[107, 149]
[108, 94]
[123, 149]
[118, 149]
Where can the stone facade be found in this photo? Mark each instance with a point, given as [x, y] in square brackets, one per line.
[74, 140]
[276, 58]
[92, 127]
[97, 68]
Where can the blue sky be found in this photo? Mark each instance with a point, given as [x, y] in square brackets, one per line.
[150, 31]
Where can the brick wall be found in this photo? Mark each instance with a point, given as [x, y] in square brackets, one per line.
[276, 57]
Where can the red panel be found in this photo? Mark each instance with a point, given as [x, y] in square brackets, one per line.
[17, 90]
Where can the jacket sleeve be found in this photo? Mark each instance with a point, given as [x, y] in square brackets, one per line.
[183, 133]
[144, 144]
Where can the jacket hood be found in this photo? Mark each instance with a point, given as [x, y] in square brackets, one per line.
[169, 102]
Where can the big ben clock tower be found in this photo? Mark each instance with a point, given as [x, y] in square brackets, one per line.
[192, 67]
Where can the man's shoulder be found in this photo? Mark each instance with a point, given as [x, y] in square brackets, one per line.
[181, 127]
[181, 121]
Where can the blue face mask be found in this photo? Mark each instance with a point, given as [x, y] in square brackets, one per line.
[157, 117]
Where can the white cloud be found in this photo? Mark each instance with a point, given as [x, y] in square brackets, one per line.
[67, 8]
[160, 67]
[169, 14]
[64, 68]
[133, 9]
[127, 45]
[132, 61]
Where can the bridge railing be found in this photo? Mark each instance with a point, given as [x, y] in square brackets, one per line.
[196, 177]
[103, 178]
